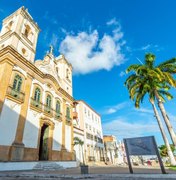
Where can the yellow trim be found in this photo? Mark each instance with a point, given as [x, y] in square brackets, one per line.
[4, 67]
[23, 112]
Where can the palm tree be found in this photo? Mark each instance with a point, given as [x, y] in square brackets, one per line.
[78, 141]
[140, 84]
[162, 78]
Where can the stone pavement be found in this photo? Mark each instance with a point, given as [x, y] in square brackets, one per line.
[96, 173]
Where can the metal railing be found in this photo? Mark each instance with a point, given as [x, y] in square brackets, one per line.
[19, 95]
[48, 110]
[57, 115]
[36, 104]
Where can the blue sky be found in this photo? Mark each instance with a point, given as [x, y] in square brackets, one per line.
[101, 39]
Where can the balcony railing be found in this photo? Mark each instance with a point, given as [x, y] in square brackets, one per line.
[75, 115]
[48, 110]
[68, 119]
[36, 104]
[15, 94]
[58, 115]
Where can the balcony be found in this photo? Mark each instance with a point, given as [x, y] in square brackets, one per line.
[36, 105]
[48, 111]
[75, 115]
[68, 120]
[15, 95]
[58, 115]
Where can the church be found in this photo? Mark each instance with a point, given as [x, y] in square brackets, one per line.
[36, 102]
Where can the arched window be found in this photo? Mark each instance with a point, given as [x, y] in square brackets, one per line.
[58, 107]
[48, 101]
[37, 94]
[27, 31]
[67, 73]
[68, 112]
[17, 83]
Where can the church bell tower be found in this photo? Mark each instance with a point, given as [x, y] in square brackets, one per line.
[21, 32]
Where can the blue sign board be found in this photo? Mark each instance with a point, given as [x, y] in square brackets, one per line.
[141, 146]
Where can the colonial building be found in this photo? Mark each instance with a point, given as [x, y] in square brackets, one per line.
[114, 150]
[111, 149]
[89, 123]
[35, 96]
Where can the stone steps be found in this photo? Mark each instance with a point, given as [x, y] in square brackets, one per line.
[47, 166]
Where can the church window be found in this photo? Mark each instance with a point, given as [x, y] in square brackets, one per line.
[9, 26]
[68, 112]
[24, 52]
[17, 83]
[48, 101]
[37, 95]
[67, 73]
[27, 31]
[58, 107]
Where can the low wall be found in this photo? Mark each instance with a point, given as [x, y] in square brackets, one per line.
[15, 166]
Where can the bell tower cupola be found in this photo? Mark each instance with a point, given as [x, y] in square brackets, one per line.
[21, 32]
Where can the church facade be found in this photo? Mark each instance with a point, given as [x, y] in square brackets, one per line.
[36, 103]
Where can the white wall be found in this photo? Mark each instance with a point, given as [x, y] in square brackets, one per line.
[57, 136]
[78, 149]
[31, 129]
[8, 122]
[68, 137]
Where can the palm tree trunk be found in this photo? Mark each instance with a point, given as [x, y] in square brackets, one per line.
[170, 153]
[166, 119]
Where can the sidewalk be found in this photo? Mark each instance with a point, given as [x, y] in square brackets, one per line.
[97, 173]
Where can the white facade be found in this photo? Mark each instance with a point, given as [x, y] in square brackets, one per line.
[35, 96]
[90, 121]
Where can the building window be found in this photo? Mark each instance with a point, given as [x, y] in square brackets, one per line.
[37, 95]
[90, 128]
[17, 83]
[68, 113]
[48, 101]
[86, 126]
[58, 107]
[67, 73]
[27, 31]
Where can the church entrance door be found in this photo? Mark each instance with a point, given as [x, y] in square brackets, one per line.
[43, 148]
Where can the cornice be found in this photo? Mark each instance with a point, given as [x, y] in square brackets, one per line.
[34, 70]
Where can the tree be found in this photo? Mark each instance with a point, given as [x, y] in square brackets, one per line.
[147, 80]
[78, 141]
[163, 150]
[161, 78]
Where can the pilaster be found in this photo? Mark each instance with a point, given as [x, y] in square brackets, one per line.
[17, 150]
[63, 124]
[5, 75]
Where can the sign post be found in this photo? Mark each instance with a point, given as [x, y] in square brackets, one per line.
[142, 146]
[128, 157]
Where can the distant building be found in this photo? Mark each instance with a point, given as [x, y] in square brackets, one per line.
[111, 148]
[89, 121]
[36, 100]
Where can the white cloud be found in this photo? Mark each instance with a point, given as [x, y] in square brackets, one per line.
[145, 110]
[122, 73]
[150, 47]
[87, 52]
[146, 47]
[54, 40]
[121, 128]
[112, 22]
[50, 18]
[116, 108]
